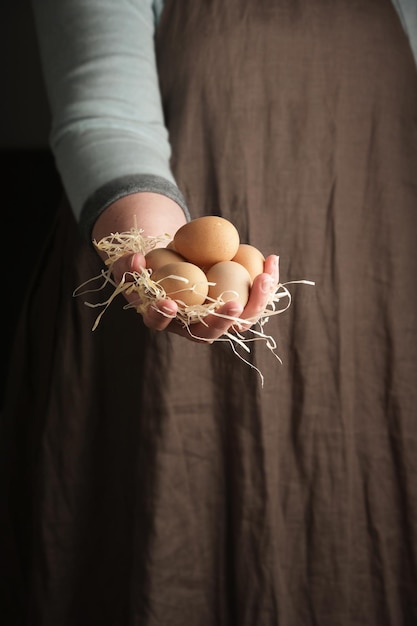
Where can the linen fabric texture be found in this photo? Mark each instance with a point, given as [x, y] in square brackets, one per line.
[149, 480]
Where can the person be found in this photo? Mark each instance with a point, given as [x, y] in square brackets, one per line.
[148, 479]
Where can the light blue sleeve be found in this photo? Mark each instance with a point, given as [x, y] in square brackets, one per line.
[108, 134]
[407, 11]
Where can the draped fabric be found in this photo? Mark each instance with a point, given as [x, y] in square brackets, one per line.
[148, 480]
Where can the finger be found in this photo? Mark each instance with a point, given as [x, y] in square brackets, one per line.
[158, 316]
[264, 285]
[218, 323]
[271, 267]
[137, 262]
[122, 273]
[262, 289]
[127, 264]
[161, 316]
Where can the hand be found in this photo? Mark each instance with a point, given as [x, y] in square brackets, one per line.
[161, 315]
[156, 214]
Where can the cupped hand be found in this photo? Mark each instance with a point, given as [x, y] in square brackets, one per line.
[162, 314]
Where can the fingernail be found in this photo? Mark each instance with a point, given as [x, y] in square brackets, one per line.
[164, 310]
[167, 310]
[266, 284]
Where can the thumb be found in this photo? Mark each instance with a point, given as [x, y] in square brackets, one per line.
[128, 264]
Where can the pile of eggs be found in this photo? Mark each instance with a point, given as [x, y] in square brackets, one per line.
[205, 262]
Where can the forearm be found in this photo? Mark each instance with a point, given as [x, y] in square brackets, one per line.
[108, 134]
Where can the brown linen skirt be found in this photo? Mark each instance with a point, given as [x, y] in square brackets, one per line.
[149, 480]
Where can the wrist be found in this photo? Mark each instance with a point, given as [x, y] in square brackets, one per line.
[151, 212]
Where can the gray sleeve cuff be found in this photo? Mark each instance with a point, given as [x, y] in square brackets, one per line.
[124, 186]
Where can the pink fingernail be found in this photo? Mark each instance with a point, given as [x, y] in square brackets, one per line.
[167, 310]
[266, 284]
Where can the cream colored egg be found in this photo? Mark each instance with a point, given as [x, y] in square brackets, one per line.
[158, 257]
[183, 282]
[232, 282]
[251, 258]
[207, 240]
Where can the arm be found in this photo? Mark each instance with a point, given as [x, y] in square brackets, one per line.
[108, 134]
[109, 138]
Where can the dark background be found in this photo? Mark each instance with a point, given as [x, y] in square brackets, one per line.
[30, 184]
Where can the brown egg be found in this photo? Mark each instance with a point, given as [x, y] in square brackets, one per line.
[251, 258]
[232, 282]
[183, 282]
[158, 257]
[171, 245]
[207, 240]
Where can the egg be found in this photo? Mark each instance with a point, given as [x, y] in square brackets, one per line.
[231, 281]
[170, 245]
[183, 282]
[158, 257]
[251, 258]
[207, 240]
